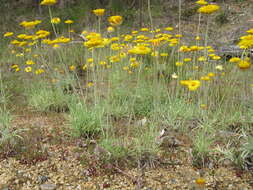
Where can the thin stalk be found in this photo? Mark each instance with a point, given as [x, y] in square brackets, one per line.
[50, 15]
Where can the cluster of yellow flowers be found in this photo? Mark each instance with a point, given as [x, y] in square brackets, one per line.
[31, 24]
[246, 42]
[134, 48]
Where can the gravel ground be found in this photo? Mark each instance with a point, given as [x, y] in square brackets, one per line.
[63, 170]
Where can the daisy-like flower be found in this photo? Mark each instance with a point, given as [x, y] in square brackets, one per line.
[110, 29]
[55, 20]
[115, 20]
[99, 12]
[28, 69]
[201, 2]
[208, 9]
[68, 21]
[8, 34]
[48, 2]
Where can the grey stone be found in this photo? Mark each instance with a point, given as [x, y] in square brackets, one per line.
[48, 186]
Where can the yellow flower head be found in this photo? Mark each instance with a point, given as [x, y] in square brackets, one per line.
[169, 28]
[110, 29]
[208, 9]
[187, 59]
[179, 64]
[55, 20]
[234, 60]
[191, 84]
[200, 181]
[39, 71]
[244, 64]
[250, 31]
[139, 50]
[211, 74]
[30, 24]
[28, 69]
[48, 2]
[72, 67]
[29, 62]
[7, 34]
[115, 20]
[69, 22]
[201, 2]
[205, 78]
[99, 12]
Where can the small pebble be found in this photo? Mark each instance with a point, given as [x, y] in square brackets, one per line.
[48, 187]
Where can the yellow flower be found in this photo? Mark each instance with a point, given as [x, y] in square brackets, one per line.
[246, 41]
[115, 58]
[179, 64]
[244, 64]
[42, 33]
[115, 47]
[178, 35]
[128, 38]
[187, 59]
[201, 2]
[211, 74]
[89, 60]
[216, 57]
[144, 29]
[28, 69]
[29, 62]
[234, 60]
[72, 68]
[191, 84]
[208, 9]
[55, 20]
[110, 29]
[68, 21]
[99, 12]
[135, 64]
[94, 42]
[7, 34]
[39, 71]
[205, 78]
[250, 31]
[184, 49]
[169, 28]
[200, 181]
[140, 50]
[84, 67]
[115, 20]
[197, 38]
[48, 2]
[90, 84]
[135, 32]
[30, 25]
[102, 63]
